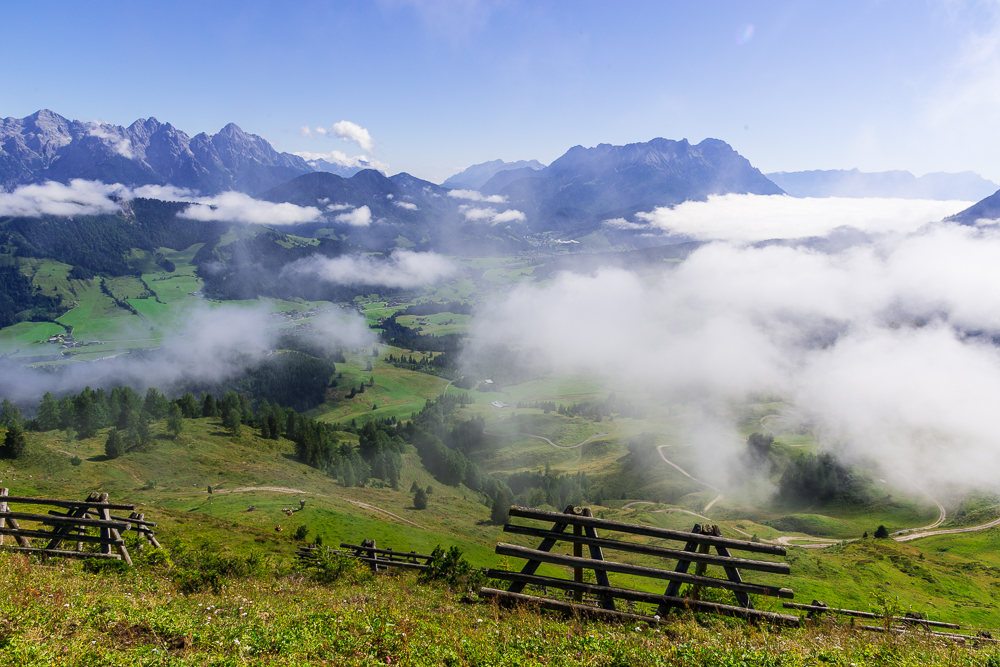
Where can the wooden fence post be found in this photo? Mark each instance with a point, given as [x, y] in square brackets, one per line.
[20, 539]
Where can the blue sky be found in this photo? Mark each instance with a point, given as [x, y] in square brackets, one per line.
[441, 85]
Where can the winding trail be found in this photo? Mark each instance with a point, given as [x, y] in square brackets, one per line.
[357, 503]
[539, 437]
[659, 450]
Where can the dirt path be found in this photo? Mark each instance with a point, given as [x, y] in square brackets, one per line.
[684, 472]
[357, 503]
[538, 437]
[947, 531]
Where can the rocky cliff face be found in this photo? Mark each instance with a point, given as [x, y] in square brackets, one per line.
[45, 146]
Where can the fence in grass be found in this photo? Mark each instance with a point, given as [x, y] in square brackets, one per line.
[367, 552]
[910, 622]
[87, 522]
[696, 551]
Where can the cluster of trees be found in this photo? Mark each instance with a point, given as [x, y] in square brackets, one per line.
[21, 301]
[600, 410]
[403, 336]
[821, 478]
[443, 449]
[293, 379]
[533, 489]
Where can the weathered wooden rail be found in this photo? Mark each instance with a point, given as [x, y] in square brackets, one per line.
[367, 552]
[695, 551]
[76, 523]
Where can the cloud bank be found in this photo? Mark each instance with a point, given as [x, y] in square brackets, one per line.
[472, 195]
[80, 197]
[238, 207]
[403, 268]
[888, 345]
[751, 218]
[490, 215]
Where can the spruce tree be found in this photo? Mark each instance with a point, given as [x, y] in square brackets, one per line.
[420, 499]
[115, 444]
[175, 421]
[15, 444]
[49, 416]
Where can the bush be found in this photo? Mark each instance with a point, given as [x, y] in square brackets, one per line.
[881, 532]
[451, 567]
[75, 461]
[332, 567]
[300, 533]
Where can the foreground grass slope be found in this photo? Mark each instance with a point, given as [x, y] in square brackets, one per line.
[59, 614]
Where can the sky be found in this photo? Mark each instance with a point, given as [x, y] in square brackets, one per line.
[432, 86]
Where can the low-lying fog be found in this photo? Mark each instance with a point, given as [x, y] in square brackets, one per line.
[886, 342]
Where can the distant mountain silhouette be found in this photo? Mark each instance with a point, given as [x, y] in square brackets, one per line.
[588, 185]
[45, 146]
[476, 176]
[987, 209]
[966, 185]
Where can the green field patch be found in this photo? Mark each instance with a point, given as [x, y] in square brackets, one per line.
[124, 288]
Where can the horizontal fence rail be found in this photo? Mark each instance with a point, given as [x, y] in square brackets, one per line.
[578, 527]
[86, 521]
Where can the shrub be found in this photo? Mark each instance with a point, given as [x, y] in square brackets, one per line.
[300, 533]
[332, 567]
[881, 532]
[451, 567]
[75, 461]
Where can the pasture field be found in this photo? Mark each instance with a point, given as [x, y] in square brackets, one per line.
[439, 324]
[397, 392]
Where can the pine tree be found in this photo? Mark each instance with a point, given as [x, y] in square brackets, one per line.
[175, 421]
[501, 505]
[15, 444]
[49, 416]
[115, 444]
[420, 499]
[208, 408]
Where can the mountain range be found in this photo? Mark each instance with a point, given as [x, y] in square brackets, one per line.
[477, 175]
[965, 186]
[45, 146]
[588, 185]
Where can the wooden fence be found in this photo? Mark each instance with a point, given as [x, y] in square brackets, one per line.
[84, 522]
[696, 548]
[368, 552]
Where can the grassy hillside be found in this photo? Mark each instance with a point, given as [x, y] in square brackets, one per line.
[954, 577]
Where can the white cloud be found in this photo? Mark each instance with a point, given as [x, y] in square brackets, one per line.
[871, 342]
[490, 215]
[80, 197]
[238, 207]
[750, 218]
[622, 223]
[120, 144]
[409, 206]
[339, 207]
[342, 159]
[403, 268]
[305, 131]
[321, 130]
[349, 131]
[359, 217]
[165, 193]
[389, 196]
[472, 195]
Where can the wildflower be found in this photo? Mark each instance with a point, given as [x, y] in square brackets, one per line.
[236, 641]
